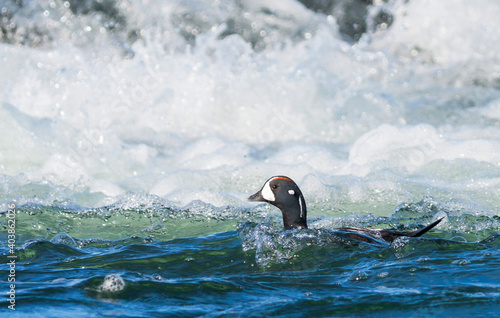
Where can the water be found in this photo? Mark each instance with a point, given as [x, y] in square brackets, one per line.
[132, 133]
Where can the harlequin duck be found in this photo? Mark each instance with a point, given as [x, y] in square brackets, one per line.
[284, 193]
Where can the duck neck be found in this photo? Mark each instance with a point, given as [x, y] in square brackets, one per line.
[295, 216]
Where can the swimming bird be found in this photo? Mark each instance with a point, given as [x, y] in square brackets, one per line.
[284, 193]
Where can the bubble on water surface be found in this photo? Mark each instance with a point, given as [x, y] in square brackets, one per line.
[112, 283]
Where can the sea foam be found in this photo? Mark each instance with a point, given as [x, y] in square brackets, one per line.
[205, 102]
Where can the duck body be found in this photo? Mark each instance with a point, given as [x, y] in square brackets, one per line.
[283, 192]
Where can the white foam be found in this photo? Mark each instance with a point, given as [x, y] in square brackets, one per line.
[112, 283]
[358, 127]
[429, 31]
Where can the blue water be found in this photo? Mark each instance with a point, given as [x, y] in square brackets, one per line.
[131, 134]
[260, 270]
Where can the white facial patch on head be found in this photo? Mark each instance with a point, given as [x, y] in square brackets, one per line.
[291, 192]
[267, 193]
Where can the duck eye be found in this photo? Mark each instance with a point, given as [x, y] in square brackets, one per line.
[274, 186]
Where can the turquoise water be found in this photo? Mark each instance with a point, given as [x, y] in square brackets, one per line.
[132, 133]
[252, 268]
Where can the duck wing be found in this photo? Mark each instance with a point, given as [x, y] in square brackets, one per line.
[386, 235]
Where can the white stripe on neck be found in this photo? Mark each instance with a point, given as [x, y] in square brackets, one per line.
[301, 210]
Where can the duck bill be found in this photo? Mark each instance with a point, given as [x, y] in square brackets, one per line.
[257, 197]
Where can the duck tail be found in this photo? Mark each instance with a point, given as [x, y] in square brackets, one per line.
[421, 232]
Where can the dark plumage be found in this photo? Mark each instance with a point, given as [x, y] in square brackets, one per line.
[284, 193]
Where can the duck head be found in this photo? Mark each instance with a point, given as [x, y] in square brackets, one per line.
[284, 193]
